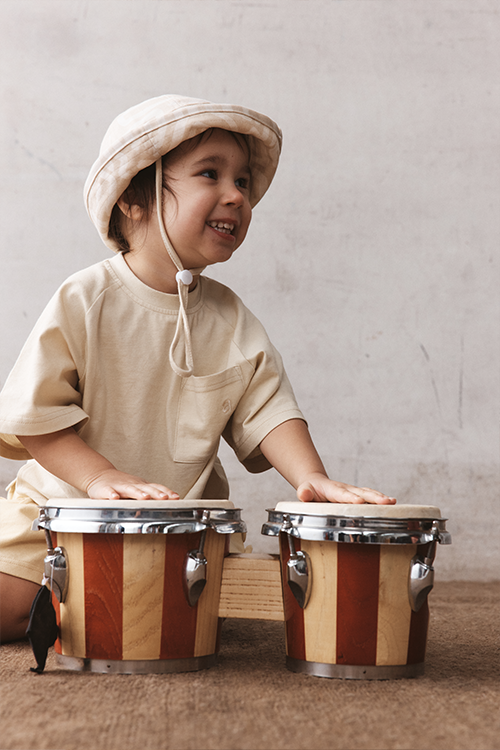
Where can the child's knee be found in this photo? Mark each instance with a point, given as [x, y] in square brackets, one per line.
[16, 597]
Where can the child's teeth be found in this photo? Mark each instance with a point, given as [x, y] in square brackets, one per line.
[222, 226]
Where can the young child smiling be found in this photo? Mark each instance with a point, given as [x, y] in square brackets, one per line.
[139, 364]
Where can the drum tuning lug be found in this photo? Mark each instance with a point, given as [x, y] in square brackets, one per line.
[421, 579]
[55, 569]
[299, 571]
[195, 567]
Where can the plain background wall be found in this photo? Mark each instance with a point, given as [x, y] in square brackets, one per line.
[373, 261]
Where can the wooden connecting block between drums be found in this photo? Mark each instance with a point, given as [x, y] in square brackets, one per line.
[251, 587]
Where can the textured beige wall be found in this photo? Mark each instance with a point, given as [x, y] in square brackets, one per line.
[373, 261]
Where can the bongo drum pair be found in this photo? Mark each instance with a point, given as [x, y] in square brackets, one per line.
[355, 580]
[136, 585]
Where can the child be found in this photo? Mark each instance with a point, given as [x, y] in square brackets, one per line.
[139, 365]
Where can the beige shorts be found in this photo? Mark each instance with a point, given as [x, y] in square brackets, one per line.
[21, 550]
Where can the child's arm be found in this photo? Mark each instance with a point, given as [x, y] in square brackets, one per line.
[290, 450]
[69, 458]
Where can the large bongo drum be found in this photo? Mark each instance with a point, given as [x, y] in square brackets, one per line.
[136, 585]
[355, 580]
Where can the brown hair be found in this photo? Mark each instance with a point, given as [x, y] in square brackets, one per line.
[142, 188]
[141, 192]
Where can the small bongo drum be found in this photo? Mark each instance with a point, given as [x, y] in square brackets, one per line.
[355, 580]
[136, 585]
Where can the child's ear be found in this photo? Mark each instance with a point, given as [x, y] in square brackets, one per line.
[128, 208]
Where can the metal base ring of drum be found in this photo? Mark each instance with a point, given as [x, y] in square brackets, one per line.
[151, 666]
[354, 671]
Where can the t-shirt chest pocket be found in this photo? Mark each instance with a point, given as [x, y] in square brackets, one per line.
[205, 406]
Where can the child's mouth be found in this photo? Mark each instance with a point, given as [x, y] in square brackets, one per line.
[221, 226]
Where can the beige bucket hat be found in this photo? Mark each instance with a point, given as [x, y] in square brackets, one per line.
[144, 133]
[139, 137]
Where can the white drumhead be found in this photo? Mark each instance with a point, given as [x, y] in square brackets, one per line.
[86, 502]
[367, 510]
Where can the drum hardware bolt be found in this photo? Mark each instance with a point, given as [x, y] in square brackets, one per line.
[195, 567]
[299, 571]
[55, 569]
[421, 579]
[111, 528]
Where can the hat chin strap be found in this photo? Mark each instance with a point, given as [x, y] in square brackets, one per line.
[184, 278]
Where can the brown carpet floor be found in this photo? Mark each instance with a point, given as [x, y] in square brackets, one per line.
[249, 701]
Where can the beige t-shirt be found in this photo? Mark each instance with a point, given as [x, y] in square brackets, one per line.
[97, 360]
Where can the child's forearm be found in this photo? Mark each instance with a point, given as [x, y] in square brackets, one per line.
[69, 458]
[290, 449]
[66, 456]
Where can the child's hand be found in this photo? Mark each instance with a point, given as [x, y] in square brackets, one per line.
[319, 488]
[113, 484]
[290, 450]
[66, 455]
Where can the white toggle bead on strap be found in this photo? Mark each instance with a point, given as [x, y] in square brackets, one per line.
[185, 277]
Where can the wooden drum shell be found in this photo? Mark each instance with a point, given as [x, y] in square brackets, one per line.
[125, 609]
[361, 575]
[358, 621]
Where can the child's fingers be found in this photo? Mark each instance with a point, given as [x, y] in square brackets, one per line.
[132, 492]
[306, 493]
[327, 491]
[372, 496]
[164, 492]
[337, 492]
[147, 492]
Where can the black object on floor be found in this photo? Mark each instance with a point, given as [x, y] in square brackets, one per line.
[42, 627]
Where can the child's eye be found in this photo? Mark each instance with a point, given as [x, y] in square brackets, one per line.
[210, 173]
[242, 182]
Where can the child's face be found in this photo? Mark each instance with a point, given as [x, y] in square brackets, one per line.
[208, 214]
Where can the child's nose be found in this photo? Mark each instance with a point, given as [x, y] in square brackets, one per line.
[233, 195]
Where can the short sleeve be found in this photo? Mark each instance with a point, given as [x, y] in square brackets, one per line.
[42, 394]
[268, 401]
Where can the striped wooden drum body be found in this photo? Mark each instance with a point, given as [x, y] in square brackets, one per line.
[362, 618]
[126, 608]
